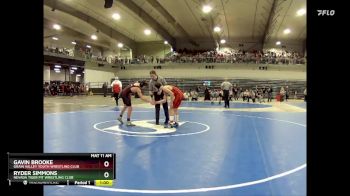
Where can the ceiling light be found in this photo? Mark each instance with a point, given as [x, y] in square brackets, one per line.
[120, 45]
[165, 42]
[217, 29]
[56, 26]
[94, 37]
[222, 41]
[88, 46]
[301, 12]
[74, 68]
[54, 38]
[58, 66]
[286, 31]
[147, 32]
[278, 43]
[206, 8]
[116, 16]
[74, 42]
[78, 75]
[56, 69]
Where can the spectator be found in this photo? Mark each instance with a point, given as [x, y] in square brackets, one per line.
[104, 89]
[282, 94]
[186, 95]
[252, 95]
[235, 92]
[206, 94]
[287, 93]
[71, 86]
[116, 88]
[194, 95]
[87, 89]
[269, 94]
[247, 95]
[220, 96]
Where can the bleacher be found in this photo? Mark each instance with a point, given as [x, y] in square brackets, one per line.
[185, 84]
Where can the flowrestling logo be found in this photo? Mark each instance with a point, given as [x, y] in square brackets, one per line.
[326, 12]
[148, 128]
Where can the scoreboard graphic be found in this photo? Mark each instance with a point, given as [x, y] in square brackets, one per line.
[62, 168]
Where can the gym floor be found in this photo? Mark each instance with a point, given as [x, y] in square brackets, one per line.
[249, 149]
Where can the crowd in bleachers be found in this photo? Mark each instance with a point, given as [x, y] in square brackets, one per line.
[87, 54]
[194, 56]
[237, 56]
[63, 51]
[256, 94]
[242, 89]
[58, 88]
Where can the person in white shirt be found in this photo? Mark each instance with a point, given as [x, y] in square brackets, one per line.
[194, 95]
[186, 96]
[117, 89]
[226, 87]
[87, 89]
[282, 94]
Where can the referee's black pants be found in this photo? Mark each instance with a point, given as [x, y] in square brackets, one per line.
[226, 98]
[157, 106]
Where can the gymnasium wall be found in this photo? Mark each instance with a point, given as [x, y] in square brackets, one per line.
[126, 53]
[50, 75]
[239, 71]
[205, 44]
[155, 49]
[63, 42]
[290, 45]
[62, 76]
[94, 73]
[47, 73]
[298, 46]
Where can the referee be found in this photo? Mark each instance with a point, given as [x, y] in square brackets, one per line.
[226, 88]
[153, 91]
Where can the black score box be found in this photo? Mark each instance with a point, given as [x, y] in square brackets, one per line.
[62, 168]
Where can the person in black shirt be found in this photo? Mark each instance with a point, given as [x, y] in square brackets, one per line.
[104, 89]
[126, 96]
[206, 94]
[269, 94]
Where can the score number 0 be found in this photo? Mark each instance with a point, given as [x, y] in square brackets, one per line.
[106, 164]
